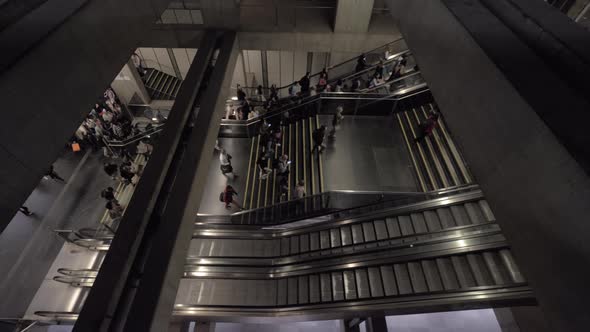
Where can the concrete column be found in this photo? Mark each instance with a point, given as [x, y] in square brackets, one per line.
[353, 16]
[351, 325]
[376, 324]
[521, 319]
[506, 108]
[179, 327]
[107, 303]
[220, 13]
[151, 308]
[128, 84]
[204, 327]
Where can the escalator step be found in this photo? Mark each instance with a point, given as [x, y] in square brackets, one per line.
[447, 273]
[463, 272]
[389, 284]
[460, 215]
[479, 269]
[417, 277]
[431, 273]
[337, 286]
[403, 279]
[346, 235]
[303, 288]
[375, 282]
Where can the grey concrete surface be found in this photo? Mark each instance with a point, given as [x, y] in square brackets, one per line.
[537, 190]
[28, 245]
[353, 16]
[53, 85]
[368, 153]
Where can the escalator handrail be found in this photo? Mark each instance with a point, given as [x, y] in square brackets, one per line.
[339, 64]
[121, 143]
[310, 99]
[319, 213]
[378, 255]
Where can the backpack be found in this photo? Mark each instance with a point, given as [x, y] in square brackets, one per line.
[226, 168]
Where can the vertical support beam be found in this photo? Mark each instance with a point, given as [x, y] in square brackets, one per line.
[376, 324]
[153, 303]
[264, 68]
[353, 16]
[521, 319]
[104, 297]
[128, 83]
[174, 63]
[204, 327]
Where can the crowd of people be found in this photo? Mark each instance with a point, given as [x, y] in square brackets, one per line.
[259, 103]
[104, 122]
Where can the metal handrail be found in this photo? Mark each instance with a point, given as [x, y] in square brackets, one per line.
[310, 99]
[437, 236]
[129, 140]
[443, 191]
[69, 315]
[271, 268]
[320, 210]
[339, 64]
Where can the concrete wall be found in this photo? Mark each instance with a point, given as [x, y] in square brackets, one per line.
[537, 190]
[86, 51]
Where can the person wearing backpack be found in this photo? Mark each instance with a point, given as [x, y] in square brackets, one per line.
[426, 128]
[225, 162]
[109, 194]
[227, 197]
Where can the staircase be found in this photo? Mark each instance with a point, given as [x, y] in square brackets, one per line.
[160, 85]
[296, 142]
[437, 161]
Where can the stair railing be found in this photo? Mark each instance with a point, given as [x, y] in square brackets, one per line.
[330, 205]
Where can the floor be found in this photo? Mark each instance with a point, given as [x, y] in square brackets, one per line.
[455, 321]
[239, 149]
[367, 153]
[28, 245]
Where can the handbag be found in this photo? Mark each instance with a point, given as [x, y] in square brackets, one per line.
[75, 147]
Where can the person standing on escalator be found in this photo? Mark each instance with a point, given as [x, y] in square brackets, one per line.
[323, 80]
[361, 63]
[228, 197]
[318, 139]
[241, 94]
[304, 82]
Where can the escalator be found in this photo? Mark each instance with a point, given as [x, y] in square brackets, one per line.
[436, 254]
[426, 252]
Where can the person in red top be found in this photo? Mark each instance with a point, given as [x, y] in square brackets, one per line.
[228, 197]
[427, 127]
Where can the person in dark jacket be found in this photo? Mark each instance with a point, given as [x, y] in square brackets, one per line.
[318, 138]
[246, 109]
[274, 94]
[228, 197]
[109, 194]
[379, 69]
[361, 63]
[53, 175]
[111, 169]
[427, 127]
[241, 94]
[304, 82]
